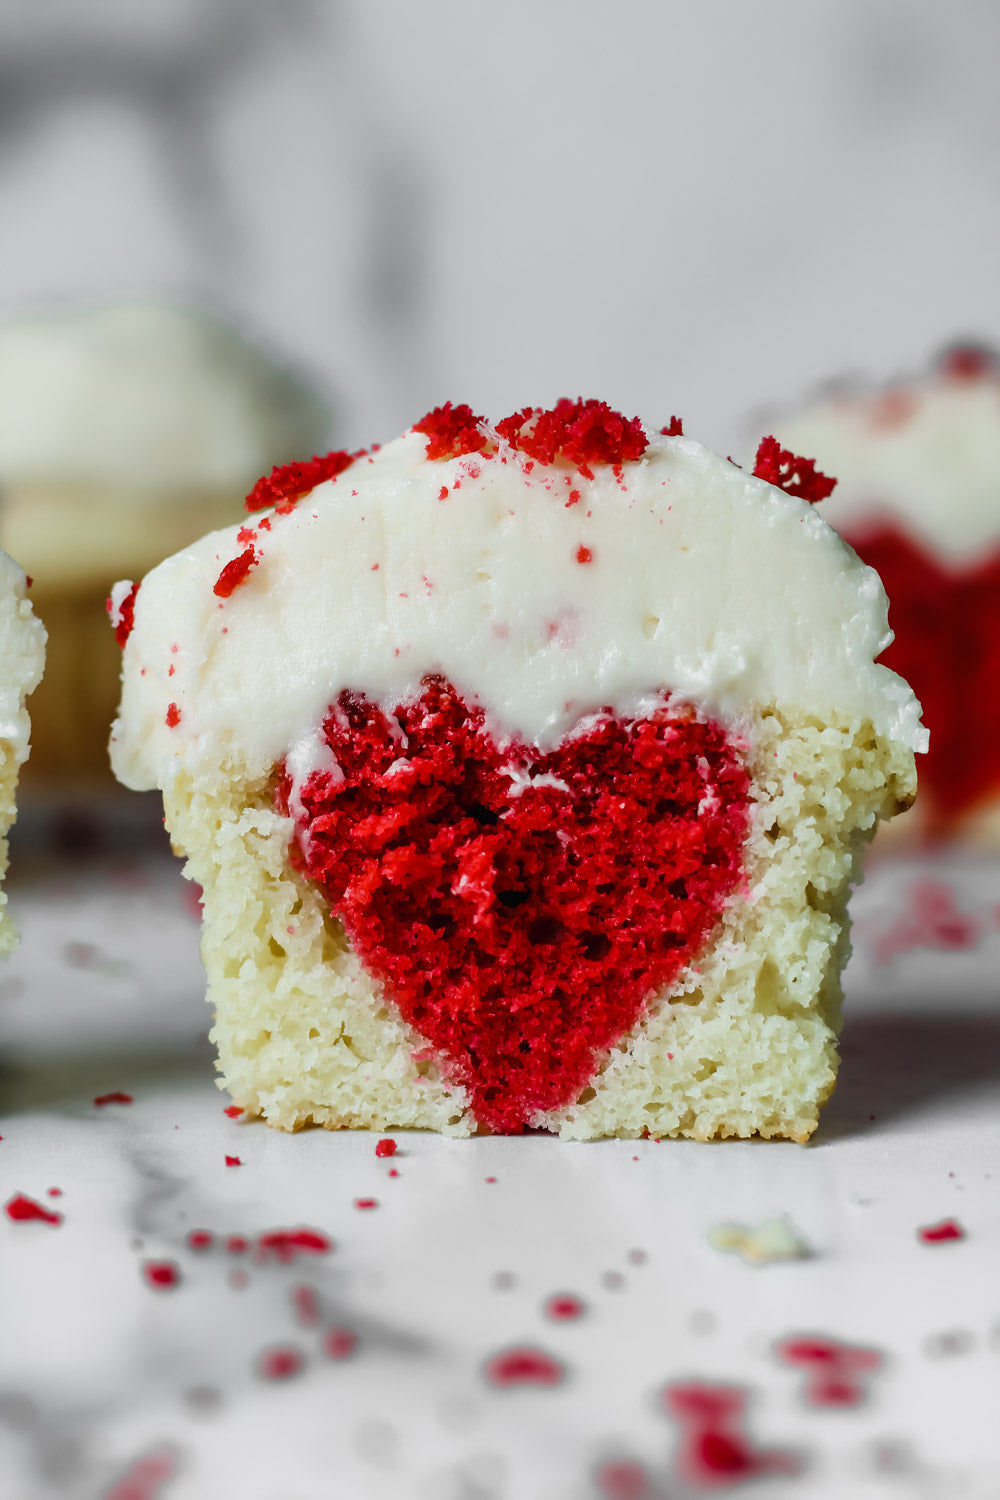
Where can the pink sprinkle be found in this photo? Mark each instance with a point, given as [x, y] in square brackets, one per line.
[386, 1147]
[622, 1479]
[117, 1097]
[306, 1305]
[564, 1306]
[199, 1239]
[391, 1173]
[279, 1363]
[22, 1209]
[161, 1274]
[366, 1203]
[143, 1479]
[55, 1192]
[936, 1234]
[237, 1244]
[339, 1343]
[491, 1179]
[233, 1161]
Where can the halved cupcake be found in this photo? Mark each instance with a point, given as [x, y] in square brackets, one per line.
[525, 769]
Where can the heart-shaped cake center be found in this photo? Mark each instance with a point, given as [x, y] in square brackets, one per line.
[520, 907]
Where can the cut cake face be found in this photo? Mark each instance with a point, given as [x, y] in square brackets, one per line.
[918, 497]
[22, 661]
[525, 769]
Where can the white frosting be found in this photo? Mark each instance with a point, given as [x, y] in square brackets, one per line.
[146, 397]
[703, 582]
[925, 455]
[22, 656]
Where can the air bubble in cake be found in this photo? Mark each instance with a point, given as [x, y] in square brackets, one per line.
[918, 497]
[525, 768]
[22, 660]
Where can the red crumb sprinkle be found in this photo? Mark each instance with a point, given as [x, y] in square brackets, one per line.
[172, 717]
[490, 1179]
[126, 615]
[623, 1479]
[391, 1173]
[443, 492]
[144, 1479]
[833, 1370]
[233, 1111]
[237, 1244]
[233, 1161]
[482, 910]
[161, 1274]
[796, 476]
[714, 1447]
[115, 1097]
[306, 1305]
[674, 428]
[581, 433]
[523, 1365]
[339, 1343]
[584, 555]
[287, 483]
[286, 1244]
[564, 1307]
[386, 1147]
[22, 1210]
[246, 535]
[937, 1234]
[968, 362]
[280, 1363]
[366, 1203]
[54, 1192]
[452, 431]
[199, 1239]
[236, 572]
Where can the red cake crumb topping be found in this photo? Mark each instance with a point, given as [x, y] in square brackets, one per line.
[339, 1343]
[584, 554]
[236, 572]
[938, 1234]
[287, 483]
[714, 1447]
[520, 908]
[968, 362]
[172, 717]
[280, 1363]
[794, 475]
[833, 1369]
[946, 621]
[524, 1366]
[674, 428]
[126, 615]
[286, 1244]
[581, 433]
[22, 1210]
[115, 1097]
[385, 1148]
[161, 1274]
[452, 431]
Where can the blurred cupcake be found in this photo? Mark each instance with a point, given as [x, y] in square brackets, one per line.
[918, 497]
[128, 430]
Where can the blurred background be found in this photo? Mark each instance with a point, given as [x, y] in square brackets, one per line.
[676, 207]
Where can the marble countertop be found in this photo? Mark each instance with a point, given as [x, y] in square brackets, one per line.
[215, 1309]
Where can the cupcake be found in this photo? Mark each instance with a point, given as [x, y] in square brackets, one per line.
[525, 768]
[22, 658]
[129, 429]
[918, 498]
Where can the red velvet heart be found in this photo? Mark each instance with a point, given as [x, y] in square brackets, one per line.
[520, 908]
[947, 646]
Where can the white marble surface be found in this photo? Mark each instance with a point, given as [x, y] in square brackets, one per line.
[112, 1388]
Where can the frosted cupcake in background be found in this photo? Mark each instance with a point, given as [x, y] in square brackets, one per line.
[22, 659]
[126, 430]
[918, 497]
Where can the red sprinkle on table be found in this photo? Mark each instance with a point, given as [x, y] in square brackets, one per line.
[674, 428]
[233, 1161]
[366, 1203]
[523, 1365]
[714, 1448]
[287, 483]
[236, 572]
[937, 1234]
[306, 1305]
[833, 1369]
[144, 1479]
[115, 1097]
[564, 1307]
[968, 362]
[386, 1147]
[339, 1343]
[233, 1111]
[622, 1479]
[172, 717]
[280, 1363]
[161, 1274]
[796, 476]
[23, 1210]
[237, 1244]
[586, 888]
[286, 1244]
[126, 615]
[451, 432]
[581, 433]
[584, 555]
[199, 1239]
